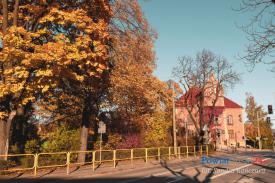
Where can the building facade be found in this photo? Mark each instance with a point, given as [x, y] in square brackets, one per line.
[225, 129]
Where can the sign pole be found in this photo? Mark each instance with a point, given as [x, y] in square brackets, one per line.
[100, 146]
[101, 130]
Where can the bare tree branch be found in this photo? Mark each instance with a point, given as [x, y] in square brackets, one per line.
[260, 32]
[204, 79]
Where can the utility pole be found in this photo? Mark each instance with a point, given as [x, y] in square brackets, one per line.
[174, 121]
[186, 133]
[259, 132]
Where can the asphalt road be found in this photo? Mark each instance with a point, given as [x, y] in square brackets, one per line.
[238, 169]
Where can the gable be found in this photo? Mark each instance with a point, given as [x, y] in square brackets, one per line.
[230, 104]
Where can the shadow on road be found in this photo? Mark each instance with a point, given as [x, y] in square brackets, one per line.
[93, 180]
[188, 178]
[172, 176]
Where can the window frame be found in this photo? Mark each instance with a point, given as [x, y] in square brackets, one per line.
[229, 120]
[231, 134]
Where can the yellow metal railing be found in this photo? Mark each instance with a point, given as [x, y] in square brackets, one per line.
[68, 159]
[28, 157]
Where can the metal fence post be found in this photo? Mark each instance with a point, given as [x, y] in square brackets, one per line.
[93, 160]
[195, 151]
[114, 158]
[146, 155]
[207, 150]
[132, 157]
[179, 151]
[201, 150]
[159, 154]
[35, 164]
[68, 162]
[169, 152]
[186, 151]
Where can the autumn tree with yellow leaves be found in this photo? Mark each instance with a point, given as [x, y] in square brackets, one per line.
[257, 116]
[140, 101]
[72, 60]
[47, 47]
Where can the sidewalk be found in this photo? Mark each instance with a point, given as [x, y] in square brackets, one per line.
[174, 170]
[229, 149]
[103, 169]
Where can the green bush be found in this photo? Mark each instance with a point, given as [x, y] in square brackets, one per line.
[156, 131]
[4, 165]
[62, 139]
[26, 162]
[32, 146]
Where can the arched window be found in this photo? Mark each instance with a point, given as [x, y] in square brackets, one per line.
[230, 120]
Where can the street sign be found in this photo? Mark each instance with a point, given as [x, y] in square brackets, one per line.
[205, 128]
[101, 130]
[102, 127]
[258, 138]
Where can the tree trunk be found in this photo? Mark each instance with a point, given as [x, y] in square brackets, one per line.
[15, 12]
[4, 135]
[2, 138]
[5, 16]
[84, 132]
[16, 136]
[201, 118]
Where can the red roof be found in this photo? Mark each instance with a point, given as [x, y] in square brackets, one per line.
[230, 104]
[189, 97]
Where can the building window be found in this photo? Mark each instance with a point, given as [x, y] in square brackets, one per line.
[216, 120]
[231, 134]
[230, 120]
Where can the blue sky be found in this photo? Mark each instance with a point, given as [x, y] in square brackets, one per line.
[185, 27]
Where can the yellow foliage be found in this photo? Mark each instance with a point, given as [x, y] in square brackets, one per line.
[54, 46]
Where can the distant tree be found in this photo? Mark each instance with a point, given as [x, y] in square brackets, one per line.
[260, 31]
[196, 76]
[256, 116]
